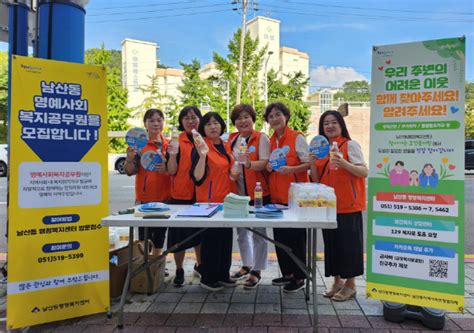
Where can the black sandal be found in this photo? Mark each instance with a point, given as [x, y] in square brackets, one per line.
[238, 275]
[251, 284]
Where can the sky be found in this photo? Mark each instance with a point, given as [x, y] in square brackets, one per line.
[337, 35]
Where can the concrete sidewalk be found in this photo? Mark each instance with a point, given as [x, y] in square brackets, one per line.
[265, 309]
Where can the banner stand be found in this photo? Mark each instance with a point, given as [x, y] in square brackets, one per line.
[432, 318]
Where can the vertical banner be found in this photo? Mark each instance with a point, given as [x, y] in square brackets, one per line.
[416, 178]
[57, 250]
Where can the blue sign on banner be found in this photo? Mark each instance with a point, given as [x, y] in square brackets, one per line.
[60, 129]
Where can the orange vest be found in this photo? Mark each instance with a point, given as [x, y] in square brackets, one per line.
[280, 184]
[152, 185]
[217, 183]
[251, 177]
[349, 189]
[182, 186]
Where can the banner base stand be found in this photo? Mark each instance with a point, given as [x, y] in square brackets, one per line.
[431, 318]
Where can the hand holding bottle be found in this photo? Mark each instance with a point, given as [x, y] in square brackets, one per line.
[200, 144]
[335, 157]
[235, 171]
[173, 147]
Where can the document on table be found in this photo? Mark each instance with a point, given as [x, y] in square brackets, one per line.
[199, 211]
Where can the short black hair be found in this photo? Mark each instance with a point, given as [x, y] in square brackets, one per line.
[280, 107]
[399, 163]
[340, 120]
[150, 113]
[207, 118]
[184, 112]
[238, 109]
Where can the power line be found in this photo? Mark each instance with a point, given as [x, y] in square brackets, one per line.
[161, 10]
[161, 16]
[378, 9]
[288, 10]
[146, 5]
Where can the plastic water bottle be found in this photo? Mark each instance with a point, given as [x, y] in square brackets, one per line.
[199, 141]
[174, 142]
[235, 170]
[334, 151]
[258, 196]
[242, 150]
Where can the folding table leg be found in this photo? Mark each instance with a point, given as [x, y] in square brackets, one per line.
[309, 261]
[313, 278]
[123, 298]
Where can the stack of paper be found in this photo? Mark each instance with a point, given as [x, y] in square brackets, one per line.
[268, 213]
[153, 209]
[236, 206]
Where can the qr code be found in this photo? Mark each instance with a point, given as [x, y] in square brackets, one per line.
[439, 269]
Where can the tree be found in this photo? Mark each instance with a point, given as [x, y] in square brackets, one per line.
[117, 96]
[469, 115]
[3, 96]
[154, 99]
[354, 91]
[253, 59]
[196, 91]
[291, 94]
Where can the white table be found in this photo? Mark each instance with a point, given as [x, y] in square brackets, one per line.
[289, 220]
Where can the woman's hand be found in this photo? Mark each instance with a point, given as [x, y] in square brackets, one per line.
[284, 170]
[312, 158]
[245, 159]
[269, 167]
[161, 167]
[337, 161]
[131, 153]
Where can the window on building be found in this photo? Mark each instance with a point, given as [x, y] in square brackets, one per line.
[326, 100]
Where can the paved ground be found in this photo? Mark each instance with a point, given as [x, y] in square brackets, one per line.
[266, 309]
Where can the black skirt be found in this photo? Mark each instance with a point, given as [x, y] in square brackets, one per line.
[177, 235]
[344, 247]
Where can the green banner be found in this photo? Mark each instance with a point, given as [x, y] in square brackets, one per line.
[415, 241]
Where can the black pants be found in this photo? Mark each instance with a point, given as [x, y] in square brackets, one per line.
[344, 247]
[216, 254]
[157, 235]
[296, 240]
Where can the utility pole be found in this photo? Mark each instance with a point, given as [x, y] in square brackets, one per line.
[241, 56]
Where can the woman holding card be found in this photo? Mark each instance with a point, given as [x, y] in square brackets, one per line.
[292, 145]
[253, 161]
[182, 189]
[346, 173]
[210, 170]
[152, 184]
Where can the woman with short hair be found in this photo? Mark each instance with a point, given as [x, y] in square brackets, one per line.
[253, 248]
[295, 147]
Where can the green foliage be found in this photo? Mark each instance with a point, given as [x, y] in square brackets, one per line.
[252, 63]
[291, 94]
[117, 96]
[194, 90]
[154, 99]
[469, 115]
[449, 47]
[3, 96]
[354, 91]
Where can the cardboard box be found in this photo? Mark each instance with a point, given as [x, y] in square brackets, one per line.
[118, 272]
